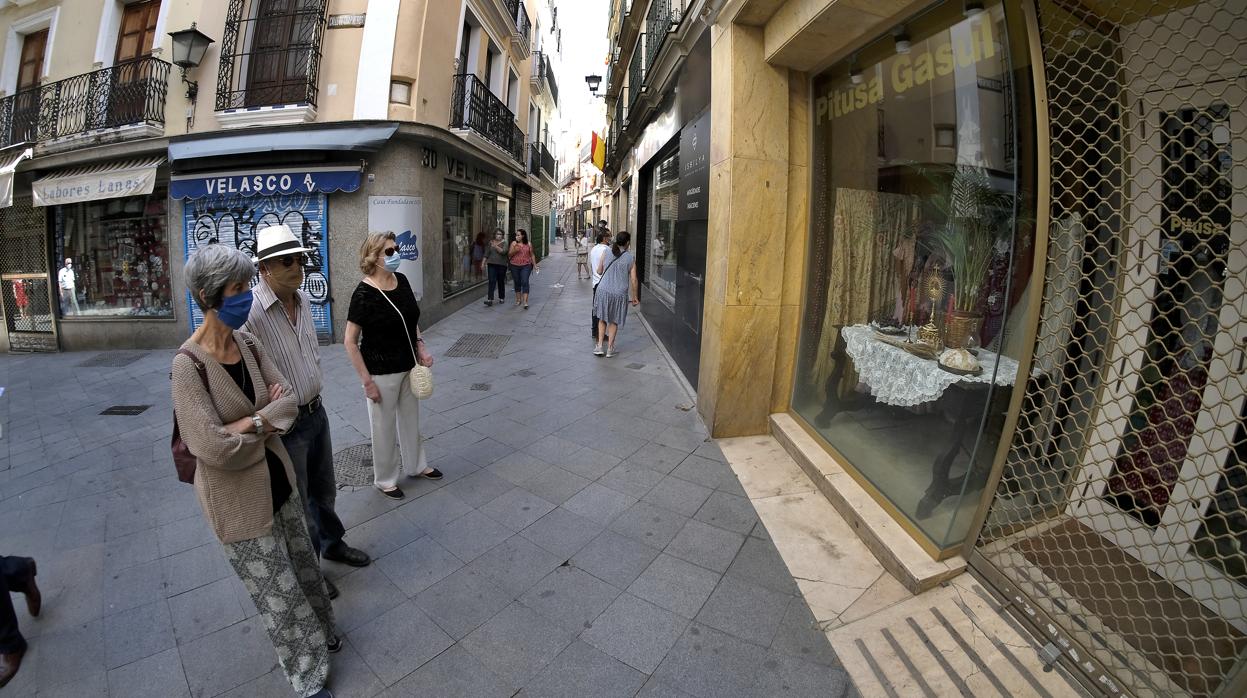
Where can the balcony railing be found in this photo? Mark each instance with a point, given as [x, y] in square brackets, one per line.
[663, 16]
[543, 71]
[533, 152]
[129, 93]
[636, 75]
[475, 108]
[519, 14]
[270, 53]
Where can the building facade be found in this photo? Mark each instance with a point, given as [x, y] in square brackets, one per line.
[979, 267]
[335, 117]
[657, 163]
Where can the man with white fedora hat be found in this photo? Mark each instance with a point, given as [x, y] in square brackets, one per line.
[281, 317]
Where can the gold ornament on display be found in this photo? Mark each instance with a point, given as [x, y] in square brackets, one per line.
[929, 334]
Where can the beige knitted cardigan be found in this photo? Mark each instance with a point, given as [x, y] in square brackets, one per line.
[231, 478]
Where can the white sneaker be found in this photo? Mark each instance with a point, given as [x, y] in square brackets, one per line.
[610, 353]
[597, 351]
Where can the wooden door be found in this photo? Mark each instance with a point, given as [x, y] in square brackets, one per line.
[281, 53]
[29, 73]
[127, 99]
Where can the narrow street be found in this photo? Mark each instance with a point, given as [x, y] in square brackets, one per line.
[588, 538]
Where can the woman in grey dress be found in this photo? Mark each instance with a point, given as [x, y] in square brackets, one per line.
[615, 291]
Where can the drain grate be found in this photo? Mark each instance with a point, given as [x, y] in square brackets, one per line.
[635, 367]
[481, 386]
[479, 346]
[112, 359]
[353, 465]
[525, 373]
[126, 410]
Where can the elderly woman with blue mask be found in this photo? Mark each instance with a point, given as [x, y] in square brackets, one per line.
[232, 405]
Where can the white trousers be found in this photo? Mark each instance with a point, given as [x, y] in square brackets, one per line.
[395, 424]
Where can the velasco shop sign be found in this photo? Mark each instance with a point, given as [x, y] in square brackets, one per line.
[909, 71]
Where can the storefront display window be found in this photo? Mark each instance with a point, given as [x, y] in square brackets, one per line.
[660, 248]
[922, 247]
[120, 254]
[469, 220]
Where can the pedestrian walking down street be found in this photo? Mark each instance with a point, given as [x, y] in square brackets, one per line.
[17, 576]
[582, 257]
[614, 292]
[232, 405]
[383, 342]
[281, 318]
[496, 261]
[522, 265]
[596, 255]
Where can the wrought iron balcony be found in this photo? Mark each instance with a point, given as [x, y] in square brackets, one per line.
[663, 17]
[636, 76]
[125, 94]
[533, 153]
[270, 53]
[543, 76]
[473, 107]
[523, 25]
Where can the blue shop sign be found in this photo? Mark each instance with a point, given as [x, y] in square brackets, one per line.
[265, 183]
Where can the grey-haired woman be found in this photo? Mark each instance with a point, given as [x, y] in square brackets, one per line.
[243, 477]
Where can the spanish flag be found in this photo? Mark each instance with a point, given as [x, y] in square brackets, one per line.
[598, 152]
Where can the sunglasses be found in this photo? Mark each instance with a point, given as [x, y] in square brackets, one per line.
[291, 259]
[389, 251]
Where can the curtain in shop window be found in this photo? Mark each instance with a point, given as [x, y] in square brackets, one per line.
[871, 241]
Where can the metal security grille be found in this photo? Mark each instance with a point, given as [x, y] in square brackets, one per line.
[26, 289]
[1119, 526]
[479, 346]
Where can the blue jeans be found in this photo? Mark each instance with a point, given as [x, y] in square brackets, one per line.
[521, 274]
[311, 451]
[498, 278]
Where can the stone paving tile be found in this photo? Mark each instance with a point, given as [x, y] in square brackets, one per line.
[517, 643]
[570, 597]
[557, 557]
[635, 632]
[397, 642]
[562, 532]
[583, 670]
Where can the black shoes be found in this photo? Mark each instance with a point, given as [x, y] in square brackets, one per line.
[433, 474]
[395, 493]
[335, 645]
[331, 590]
[347, 555]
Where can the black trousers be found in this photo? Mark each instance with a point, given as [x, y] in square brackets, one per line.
[13, 571]
[595, 317]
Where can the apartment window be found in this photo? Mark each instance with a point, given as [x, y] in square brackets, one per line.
[400, 92]
[513, 92]
[138, 31]
[270, 53]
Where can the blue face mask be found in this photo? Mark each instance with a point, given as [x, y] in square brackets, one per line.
[393, 261]
[235, 309]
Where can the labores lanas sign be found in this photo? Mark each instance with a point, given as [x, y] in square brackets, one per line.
[962, 47]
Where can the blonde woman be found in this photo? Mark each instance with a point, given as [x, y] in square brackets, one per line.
[383, 342]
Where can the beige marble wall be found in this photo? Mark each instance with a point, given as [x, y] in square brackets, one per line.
[748, 233]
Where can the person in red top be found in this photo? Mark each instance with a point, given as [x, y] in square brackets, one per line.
[522, 265]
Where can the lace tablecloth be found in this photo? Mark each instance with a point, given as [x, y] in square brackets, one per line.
[896, 377]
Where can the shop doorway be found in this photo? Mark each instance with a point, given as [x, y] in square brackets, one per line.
[26, 287]
[1118, 529]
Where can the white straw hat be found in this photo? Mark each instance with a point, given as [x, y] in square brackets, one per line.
[277, 241]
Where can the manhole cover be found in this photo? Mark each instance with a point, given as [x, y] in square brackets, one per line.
[635, 367]
[525, 373]
[479, 346]
[126, 410]
[480, 386]
[113, 359]
[353, 465]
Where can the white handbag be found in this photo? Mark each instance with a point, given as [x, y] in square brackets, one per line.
[420, 379]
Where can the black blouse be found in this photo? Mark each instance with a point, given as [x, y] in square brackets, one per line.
[384, 344]
[278, 482]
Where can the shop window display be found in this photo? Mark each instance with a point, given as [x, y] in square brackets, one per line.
[661, 269]
[922, 247]
[468, 223]
[120, 254]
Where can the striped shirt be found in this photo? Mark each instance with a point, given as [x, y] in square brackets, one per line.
[292, 347]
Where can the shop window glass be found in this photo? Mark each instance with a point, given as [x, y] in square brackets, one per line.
[462, 268]
[660, 249]
[922, 247]
[120, 253]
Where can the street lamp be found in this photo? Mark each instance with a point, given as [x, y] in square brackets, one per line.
[189, 47]
[593, 81]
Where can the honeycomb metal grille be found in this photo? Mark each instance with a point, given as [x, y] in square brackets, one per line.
[1121, 513]
[25, 285]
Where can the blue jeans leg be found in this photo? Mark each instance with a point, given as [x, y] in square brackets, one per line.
[522, 275]
[311, 451]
